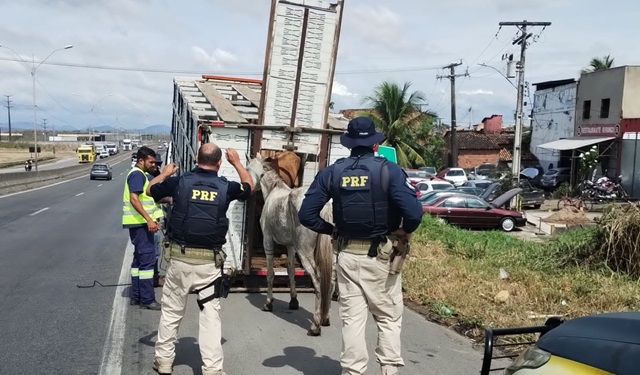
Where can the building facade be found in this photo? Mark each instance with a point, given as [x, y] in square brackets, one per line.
[552, 119]
[608, 110]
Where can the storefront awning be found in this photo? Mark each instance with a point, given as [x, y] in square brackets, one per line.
[574, 143]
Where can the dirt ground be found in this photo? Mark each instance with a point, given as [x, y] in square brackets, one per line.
[569, 216]
[11, 155]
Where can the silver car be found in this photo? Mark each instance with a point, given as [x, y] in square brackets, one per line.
[100, 171]
[554, 177]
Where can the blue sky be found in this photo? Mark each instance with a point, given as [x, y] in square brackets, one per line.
[403, 40]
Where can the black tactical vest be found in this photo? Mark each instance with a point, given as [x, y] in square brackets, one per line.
[360, 198]
[199, 217]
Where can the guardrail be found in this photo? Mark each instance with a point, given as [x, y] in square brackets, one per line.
[28, 179]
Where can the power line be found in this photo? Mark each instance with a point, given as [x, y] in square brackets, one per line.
[453, 162]
[179, 71]
[517, 143]
[9, 106]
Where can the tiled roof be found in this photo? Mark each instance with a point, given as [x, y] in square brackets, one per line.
[507, 155]
[475, 141]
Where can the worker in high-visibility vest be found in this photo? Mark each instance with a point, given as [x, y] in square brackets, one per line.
[158, 280]
[139, 216]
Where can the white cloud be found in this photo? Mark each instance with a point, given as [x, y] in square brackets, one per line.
[378, 39]
[219, 59]
[476, 92]
[341, 89]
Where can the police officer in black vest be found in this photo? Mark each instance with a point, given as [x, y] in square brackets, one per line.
[374, 204]
[196, 231]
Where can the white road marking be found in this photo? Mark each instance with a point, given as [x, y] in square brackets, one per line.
[79, 194]
[99, 185]
[120, 174]
[48, 186]
[114, 343]
[39, 211]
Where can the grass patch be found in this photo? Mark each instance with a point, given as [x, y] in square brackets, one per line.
[455, 275]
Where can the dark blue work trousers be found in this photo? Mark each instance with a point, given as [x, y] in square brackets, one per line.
[142, 267]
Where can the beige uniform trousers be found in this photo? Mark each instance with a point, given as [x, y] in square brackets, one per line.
[182, 278]
[366, 285]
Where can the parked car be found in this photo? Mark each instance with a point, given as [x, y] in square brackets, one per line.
[474, 212]
[531, 196]
[555, 176]
[100, 171]
[482, 171]
[533, 175]
[430, 170]
[434, 196]
[416, 176]
[597, 344]
[482, 184]
[429, 186]
[456, 176]
[470, 190]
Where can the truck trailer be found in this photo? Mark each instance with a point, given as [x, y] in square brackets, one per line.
[224, 110]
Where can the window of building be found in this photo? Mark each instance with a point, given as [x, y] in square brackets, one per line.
[604, 108]
[586, 110]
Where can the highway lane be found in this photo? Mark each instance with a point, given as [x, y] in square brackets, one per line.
[48, 325]
[23, 204]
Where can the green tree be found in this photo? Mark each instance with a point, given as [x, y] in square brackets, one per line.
[597, 64]
[396, 113]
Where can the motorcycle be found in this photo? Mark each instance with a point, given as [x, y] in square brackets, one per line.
[604, 189]
[599, 344]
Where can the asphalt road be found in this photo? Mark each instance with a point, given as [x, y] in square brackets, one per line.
[57, 237]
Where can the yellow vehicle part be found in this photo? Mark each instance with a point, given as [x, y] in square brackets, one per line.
[86, 155]
[562, 366]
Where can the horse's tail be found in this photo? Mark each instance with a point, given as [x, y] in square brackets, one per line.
[323, 255]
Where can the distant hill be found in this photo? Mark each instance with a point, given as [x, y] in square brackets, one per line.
[23, 126]
[156, 129]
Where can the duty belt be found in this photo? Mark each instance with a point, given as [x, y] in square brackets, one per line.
[193, 255]
[358, 247]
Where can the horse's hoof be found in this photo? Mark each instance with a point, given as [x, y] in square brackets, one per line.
[313, 332]
[335, 297]
[326, 323]
[267, 307]
[293, 304]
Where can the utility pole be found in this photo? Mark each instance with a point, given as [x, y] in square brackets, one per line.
[44, 125]
[517, 142]
[9, 106]
[453, 161]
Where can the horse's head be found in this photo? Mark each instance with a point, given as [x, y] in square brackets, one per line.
[258, 167]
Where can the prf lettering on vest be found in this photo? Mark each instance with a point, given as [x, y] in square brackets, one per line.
[354, 181]
[203, 195]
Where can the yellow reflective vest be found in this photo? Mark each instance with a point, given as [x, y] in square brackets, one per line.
[129, 214]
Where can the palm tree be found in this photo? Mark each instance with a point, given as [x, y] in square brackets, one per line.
[598, 64]
[397, 114]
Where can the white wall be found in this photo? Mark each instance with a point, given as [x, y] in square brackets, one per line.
[553, 119]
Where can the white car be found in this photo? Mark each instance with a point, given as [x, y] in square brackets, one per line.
[429, 186]
[104, 153]
[456, 176]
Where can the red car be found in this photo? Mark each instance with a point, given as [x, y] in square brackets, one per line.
[474, 212]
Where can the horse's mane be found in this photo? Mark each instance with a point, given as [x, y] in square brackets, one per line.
[272, 178]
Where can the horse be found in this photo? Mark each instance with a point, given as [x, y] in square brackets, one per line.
[280, 224]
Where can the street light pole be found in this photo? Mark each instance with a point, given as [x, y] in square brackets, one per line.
[33, 79]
